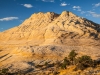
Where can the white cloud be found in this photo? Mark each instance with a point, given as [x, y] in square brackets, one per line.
[8, 18]
[48, 0]
[82, 12]
[91, 12]
[76, 7]
[21, 21]
[88, 15]
[97, 5]
[94, 14]
[64, 4]
[1, 28]
[79, 10]
[27, 5]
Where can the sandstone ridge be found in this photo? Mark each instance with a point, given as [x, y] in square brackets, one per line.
[43, 28]
[48, 37]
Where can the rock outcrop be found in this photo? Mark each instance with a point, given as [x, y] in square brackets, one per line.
[49, 35]
[46, 28]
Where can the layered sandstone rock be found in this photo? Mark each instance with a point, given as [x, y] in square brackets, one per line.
[50, 27]
[49, 37]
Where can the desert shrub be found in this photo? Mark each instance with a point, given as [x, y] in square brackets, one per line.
[51, 65]
[39, 66]
[57, 64]
[63, 66]
[96, 63]
[55, 73]
[46, 63]
[65, 63]
[72, 56]
[79, 67]
[84, 62]
[5, 71]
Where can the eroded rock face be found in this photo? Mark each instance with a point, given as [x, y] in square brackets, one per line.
[43, 28]
[49, 37]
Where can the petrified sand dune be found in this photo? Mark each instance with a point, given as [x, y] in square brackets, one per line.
[49, 37]
[42, 27]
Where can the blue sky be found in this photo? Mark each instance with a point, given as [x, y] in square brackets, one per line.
[14, 12]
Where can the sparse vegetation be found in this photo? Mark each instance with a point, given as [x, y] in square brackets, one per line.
[39, 66]
[80, 63]
[72, 56]
[84, 62]
[65, 63]
[5, 71]
[46, 64]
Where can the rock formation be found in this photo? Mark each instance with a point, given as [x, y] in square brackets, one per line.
[49, 35]
[51, 27]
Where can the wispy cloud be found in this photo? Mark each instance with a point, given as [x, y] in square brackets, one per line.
[78, 8]
[97, 5]
[94, 14]
[64, 4]
[27, 5]
[21, 21]
[91, 12]
[82, 12]
[88, 15]
[48, 0]
[1, 28]
[8, 18]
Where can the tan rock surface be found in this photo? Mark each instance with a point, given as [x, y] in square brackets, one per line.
[49, 37]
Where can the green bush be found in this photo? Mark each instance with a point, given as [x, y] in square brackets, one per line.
[72, 55]
[39, 66]
[84, 62]
[57, 64]
[5, 71]
[46, 63]
[65, 63]
[63, 66]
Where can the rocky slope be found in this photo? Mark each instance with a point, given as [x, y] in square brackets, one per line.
[52, 28]
[48, 37]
